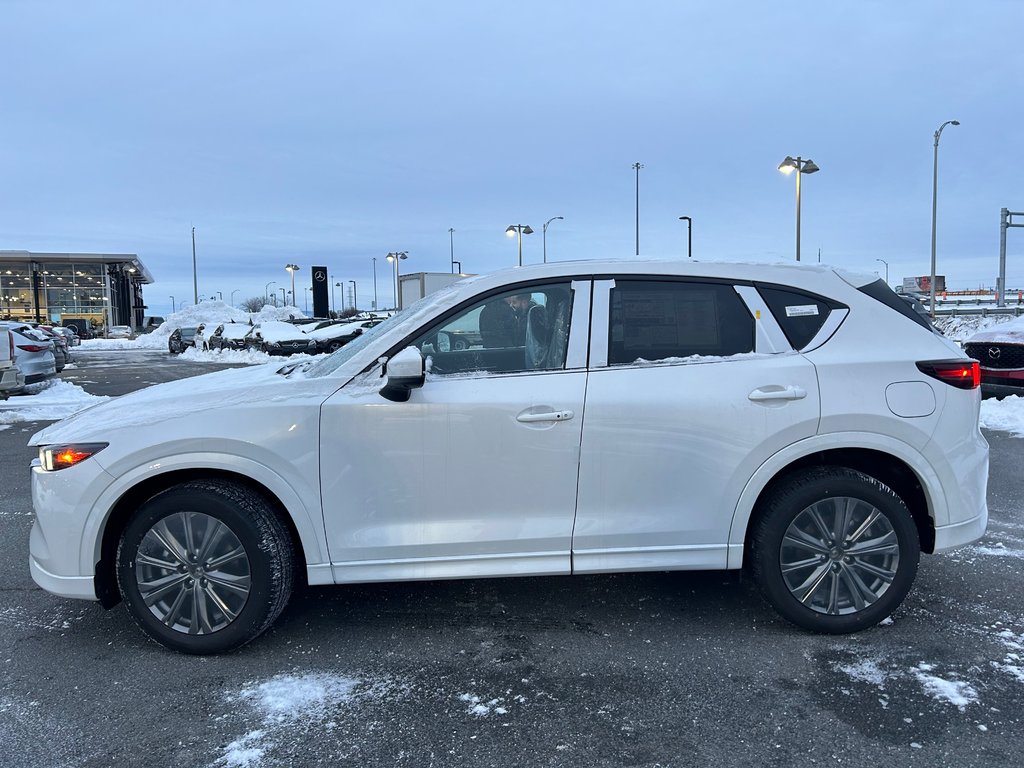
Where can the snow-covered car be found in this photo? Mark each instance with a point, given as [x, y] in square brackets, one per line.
[120, 332]
[33, 352]
[1000, 352]
[333, 337]
[230, 336]
[276, 337]
[11, 379]
[794, 419]
[180, 340]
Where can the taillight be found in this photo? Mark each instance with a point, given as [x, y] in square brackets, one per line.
[963, 374]
[33, 347]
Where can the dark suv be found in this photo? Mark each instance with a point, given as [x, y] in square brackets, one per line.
[1000, 351]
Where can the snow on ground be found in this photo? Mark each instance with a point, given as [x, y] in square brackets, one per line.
[956, 692]
[212, 313]
[1006, 415]
[477, 707]
[49, 401]
[286, 703]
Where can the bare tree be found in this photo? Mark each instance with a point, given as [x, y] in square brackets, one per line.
[255, 304]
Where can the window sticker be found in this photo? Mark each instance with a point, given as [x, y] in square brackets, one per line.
[802, 311]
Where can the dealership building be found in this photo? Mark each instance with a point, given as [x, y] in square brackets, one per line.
[105, 288]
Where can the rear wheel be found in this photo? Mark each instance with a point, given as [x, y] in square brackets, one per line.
[205, 566]
[835, 550]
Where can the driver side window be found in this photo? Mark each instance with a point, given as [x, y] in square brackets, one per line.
[525, 329]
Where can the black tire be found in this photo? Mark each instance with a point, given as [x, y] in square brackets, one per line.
[827, 583]
[206, 506]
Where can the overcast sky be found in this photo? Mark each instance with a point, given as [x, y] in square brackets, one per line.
[330, 133]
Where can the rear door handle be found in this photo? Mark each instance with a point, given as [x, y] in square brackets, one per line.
[531, 418]
[784, 393]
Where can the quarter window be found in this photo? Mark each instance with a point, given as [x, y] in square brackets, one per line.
[800, 315]
[520, 330]
[660, 320]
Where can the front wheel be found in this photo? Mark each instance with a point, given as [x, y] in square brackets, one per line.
[835, 550]
[205, 566]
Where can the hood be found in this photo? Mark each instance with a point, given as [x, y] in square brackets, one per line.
[177, 399]
[1011, 332]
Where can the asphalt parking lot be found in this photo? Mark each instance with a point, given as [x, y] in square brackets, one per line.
[657, 669]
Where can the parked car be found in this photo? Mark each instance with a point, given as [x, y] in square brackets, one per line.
[230, 336]
[1000, 352]
[180, 340]
[120, 332]
[11, 378]
[333, 337]
[83, 327]
[280, 338]
[61, 353]
[68, 332]
[199, 339]
[33, 352]
[793, 419]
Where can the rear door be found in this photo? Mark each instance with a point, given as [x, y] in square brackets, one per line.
[692, 386]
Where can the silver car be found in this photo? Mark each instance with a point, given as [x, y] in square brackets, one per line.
[33, 352]
[11, 379]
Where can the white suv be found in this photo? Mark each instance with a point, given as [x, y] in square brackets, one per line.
[579, 417]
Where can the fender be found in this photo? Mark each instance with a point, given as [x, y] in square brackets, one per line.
[926, 475]
[308, 522]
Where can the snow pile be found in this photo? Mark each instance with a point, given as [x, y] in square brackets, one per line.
[480, 708]
[242, 356]
[50, 401]
[956, 692]
[1006, 415]
[210, 313]
[962, 328]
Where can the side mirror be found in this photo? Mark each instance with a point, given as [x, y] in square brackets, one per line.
[404, 372]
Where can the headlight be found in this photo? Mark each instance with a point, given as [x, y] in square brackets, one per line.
[54, 457]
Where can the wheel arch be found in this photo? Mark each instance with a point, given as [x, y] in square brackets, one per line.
[891, 463]
[131, 499]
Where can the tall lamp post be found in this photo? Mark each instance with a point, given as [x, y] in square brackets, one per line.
[545, 234]
[341, 285]
[801, 167]
[355, 298]
[689, 235]
[284, 301]
[636, 167]
[451, 238]
[394, 258]
[306, 297]
[886, 269]
[195, 273]
[293, 268]
[520, 229]
[266, 291]
[233, 295]
[374, 282]
[935, 193]
[172, 305]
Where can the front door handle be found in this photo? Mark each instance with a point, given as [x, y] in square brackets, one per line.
[782, 393]
[531, 418]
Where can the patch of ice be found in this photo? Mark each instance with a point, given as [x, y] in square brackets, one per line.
[480, 708]
[865, 671]
[1006, 415]
[997, 551]
[53, 400]
[956, 692]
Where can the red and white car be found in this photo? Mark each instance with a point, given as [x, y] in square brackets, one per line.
[1000, 351]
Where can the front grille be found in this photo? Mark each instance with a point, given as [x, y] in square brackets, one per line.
[997, 355]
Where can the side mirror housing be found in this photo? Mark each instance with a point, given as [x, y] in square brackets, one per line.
[405, 372]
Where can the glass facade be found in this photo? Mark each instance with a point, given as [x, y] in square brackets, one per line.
[103, 289]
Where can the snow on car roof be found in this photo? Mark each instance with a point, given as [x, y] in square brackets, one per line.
[276, 330]
[235, 330]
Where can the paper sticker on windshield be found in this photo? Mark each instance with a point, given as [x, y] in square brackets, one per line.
[802, 311]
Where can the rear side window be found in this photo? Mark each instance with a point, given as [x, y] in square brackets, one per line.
[879, 291]
[799, 314]
[655, 320]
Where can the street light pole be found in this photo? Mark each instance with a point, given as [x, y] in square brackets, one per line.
[355, 298]
[935, 194]
[374, 282]
[284, 300]
[801, 167]
[521, 229]
[266, 291]
[689, 235]
[451, 242]
[195, 274]
[637, 167]
[306, 297]
[172, 306]
[293, 268]
[394, 258]
[545, 234]
[341, 285]
[886, 269]
[233, 296]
